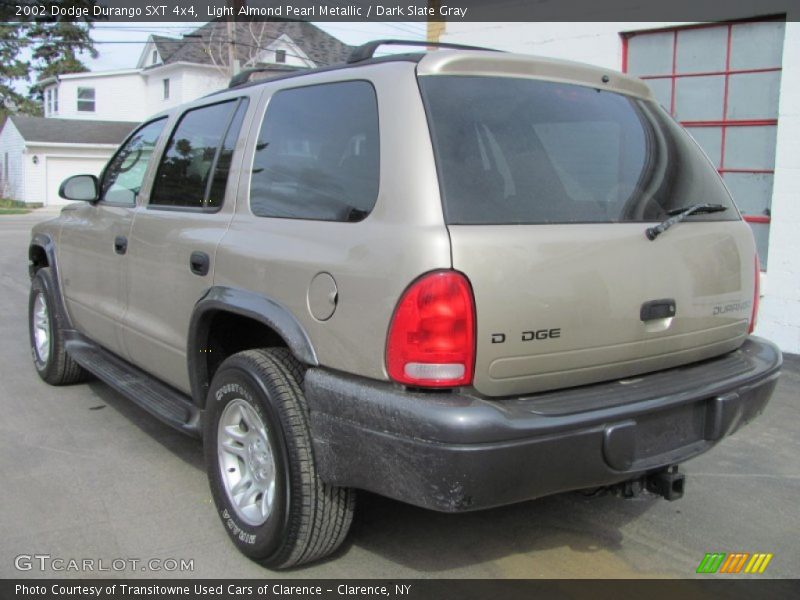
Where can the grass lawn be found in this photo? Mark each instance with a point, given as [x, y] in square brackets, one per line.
[13, 207]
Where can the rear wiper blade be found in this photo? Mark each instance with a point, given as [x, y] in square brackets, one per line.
[679, 214]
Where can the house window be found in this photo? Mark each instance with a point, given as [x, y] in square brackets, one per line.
[280, 56]
[155, 56]
[48, 100]
[55, 100]
[166, 89]
[721, 82]
[86, 99]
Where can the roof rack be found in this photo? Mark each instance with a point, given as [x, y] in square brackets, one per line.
[245, 75]
[366, 51]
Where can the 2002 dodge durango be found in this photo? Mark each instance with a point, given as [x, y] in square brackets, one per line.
[459, 279]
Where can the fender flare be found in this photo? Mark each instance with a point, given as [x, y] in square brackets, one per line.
[247, 304]
[46, 243]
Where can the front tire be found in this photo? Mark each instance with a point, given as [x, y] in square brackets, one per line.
[261, 466]
[53, 364]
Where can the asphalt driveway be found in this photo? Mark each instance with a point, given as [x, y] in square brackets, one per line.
[84, 474]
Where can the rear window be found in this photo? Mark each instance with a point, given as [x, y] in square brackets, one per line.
[522, 151]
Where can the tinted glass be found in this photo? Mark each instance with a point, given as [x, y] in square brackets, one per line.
[710, 140]
[699, 98]
[701, 50]
[757, 45]
[526, 151]
[123, 176]
[216, 194]
[754, 95]
[184, 176]
[317, 155]
[750, 147]
[650, 54]
[752, 191]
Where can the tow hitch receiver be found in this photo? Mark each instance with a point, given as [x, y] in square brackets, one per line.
[667, 483]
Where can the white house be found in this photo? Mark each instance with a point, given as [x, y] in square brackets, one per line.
[37, 153]
[735, 85]
[172, 71]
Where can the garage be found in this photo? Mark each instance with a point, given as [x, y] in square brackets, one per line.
[58, 168]
[37, 154]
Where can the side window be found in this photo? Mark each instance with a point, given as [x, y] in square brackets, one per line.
[123, 176]
[193, 172]
[318, 154]
[86, 99]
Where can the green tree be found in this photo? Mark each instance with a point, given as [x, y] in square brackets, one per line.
[12, 68]
[57, 45]
[53, 46]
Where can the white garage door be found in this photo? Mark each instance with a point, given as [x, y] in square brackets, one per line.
[59, 168]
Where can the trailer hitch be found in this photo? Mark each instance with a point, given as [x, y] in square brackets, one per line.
[668, 483]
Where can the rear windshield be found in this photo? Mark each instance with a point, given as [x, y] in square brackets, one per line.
[523, 151]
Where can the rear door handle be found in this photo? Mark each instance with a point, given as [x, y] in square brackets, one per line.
[199, 263]
[658, 309]
[120, 244]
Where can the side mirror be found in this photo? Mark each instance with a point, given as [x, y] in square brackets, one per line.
[80, 187]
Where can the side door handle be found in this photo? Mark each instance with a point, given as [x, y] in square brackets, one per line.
[120, 244]
[199, 263]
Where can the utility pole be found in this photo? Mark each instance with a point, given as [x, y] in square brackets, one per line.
[233, 60]
[435, 28]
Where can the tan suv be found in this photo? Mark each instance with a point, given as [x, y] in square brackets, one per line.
[459, 279]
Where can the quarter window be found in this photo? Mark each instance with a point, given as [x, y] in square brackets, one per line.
[123, 176]
[721, 82]
[194, 170]
[86, 99]
[318, 154]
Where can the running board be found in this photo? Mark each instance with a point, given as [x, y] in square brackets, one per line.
[162, 401]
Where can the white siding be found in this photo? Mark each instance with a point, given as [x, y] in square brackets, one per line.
[294, 54]
[780, 309]
[37, 186]
[12, 183]
[199, 81]
[155, 90]
[600, 44]
[137, 94]
[118, 97]
[186, 83]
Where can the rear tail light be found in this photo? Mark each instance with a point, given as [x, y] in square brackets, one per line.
[756, 295]
[431, 341]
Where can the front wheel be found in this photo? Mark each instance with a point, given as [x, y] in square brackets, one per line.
[50, 357]
[261, 464]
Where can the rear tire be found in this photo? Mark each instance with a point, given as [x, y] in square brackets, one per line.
[261, 466]
[45, 323]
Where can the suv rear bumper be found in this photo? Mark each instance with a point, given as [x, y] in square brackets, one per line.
[456, 451]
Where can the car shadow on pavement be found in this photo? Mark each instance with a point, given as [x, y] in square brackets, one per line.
[188, 449]
[415, 537]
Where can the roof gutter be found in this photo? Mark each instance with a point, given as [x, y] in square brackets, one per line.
[72, 144]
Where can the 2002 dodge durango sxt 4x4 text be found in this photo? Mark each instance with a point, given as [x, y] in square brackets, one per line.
[460, 279]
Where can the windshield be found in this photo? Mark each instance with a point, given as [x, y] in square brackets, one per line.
[522, 151]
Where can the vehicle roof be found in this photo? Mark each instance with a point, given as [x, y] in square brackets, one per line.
[488, 63]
